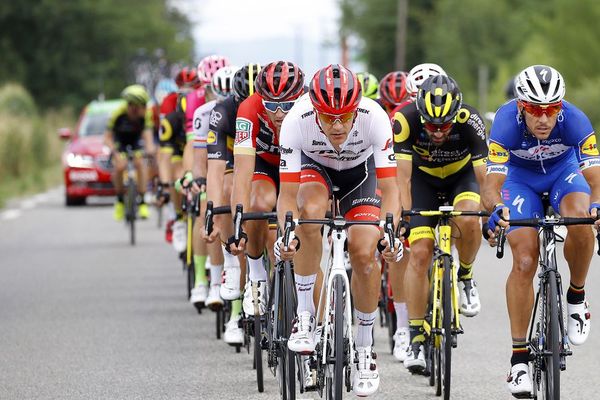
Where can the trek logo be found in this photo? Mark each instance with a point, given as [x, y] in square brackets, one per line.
[285, 150]
[518, 202]
[243, 127]
[388, 144]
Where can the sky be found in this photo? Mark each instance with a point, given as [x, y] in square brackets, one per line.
[304, 31]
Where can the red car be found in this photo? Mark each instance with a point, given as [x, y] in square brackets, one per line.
[86, 164]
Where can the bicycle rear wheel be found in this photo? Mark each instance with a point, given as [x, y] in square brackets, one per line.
[131, 211]
[446, 349]
[258, 364]
[552, 345]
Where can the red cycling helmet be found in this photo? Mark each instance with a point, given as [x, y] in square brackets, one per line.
[187, 77]
[280, 81]
[335, 90]
[392, 88]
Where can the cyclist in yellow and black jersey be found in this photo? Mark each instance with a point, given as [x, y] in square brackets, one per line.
[130, 125]
[440, 147]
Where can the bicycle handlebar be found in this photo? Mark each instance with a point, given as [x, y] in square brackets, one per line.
[438, 213]
[543, 223]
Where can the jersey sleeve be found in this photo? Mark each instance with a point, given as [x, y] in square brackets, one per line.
[504, 128]
[216, 139]
[476, 132]
[246, 129]
[110, 125]
[200, 128]
[580, 134]
[149, 119]
[403, 140]
[383, 144]
[290, 149]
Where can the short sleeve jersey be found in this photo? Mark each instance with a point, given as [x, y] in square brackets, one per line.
[169, 104]
[193, 100]
[255, 134]
[466, 142]
[201, 123]
[371, 135]
[572, 140]
[126, 131]
[221, 131]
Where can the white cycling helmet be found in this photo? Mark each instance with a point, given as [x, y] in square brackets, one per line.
[418, 74]
[540, 84]
[222, 81]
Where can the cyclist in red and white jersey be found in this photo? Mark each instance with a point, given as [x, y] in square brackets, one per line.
[392, 91]
[334, 137]
[256, 162]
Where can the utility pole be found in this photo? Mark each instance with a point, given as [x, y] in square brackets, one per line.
[401, 21]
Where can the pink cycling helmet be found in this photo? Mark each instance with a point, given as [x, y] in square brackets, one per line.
[209, 65]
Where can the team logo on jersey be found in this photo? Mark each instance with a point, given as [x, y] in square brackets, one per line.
[497, 154]
[165, 132]
[211, 138]
[589, 147]
[388, 145]
[400, 127]
[215, 117]
[243, 127]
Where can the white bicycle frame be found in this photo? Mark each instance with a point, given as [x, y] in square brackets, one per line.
[333, 265]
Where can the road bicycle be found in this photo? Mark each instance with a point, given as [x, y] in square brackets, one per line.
[547, 340]
[190, 205]
[130, 183]
[442, 322]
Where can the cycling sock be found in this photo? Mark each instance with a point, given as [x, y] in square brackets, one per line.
[305, 287]
[120, 197]
[417, 333]
[575, 294]
[216, 272]
[236, 309]
[230, 259]
[364, 332]
[200, 268]
[520, 352]
[257, 269]
[401, 315]
[465, 271]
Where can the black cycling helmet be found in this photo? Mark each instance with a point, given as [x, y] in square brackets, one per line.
[439, 99]
[243, 81]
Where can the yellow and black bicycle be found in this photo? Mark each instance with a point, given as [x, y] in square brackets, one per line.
[442, 323]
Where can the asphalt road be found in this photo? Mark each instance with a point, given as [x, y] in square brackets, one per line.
[83, 315]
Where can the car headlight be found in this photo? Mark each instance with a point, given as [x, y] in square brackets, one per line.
[80, 160]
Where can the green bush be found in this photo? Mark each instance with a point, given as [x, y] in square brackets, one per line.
[16, 101]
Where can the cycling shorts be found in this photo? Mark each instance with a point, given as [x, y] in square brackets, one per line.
[263, 171]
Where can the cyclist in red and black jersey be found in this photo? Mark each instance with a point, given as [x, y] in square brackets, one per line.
[392, 91]
[256, 154]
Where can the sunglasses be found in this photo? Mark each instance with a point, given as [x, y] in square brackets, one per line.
[538, 109]
[284, 106]
[437, 127]
[331, 119]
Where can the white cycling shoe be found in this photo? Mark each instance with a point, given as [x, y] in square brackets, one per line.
[233, 335]
[415, 358]
[366, 377]
[199, 294]
[470, 305]
[179, 236]
[401, 343]
[213, 300]
[261, 296]
[578, 323]
[519, 382]
[230, 287]
[302, 339]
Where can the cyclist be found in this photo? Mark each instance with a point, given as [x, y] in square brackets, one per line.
[541, 143]
[130, 125]
[369, 84]
[392, 91]
[221, 135]
[418, 74]
[333, 136]
[256, 154]
[440, 146]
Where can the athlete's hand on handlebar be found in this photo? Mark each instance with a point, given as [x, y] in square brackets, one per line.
[500, 217]
[286, 253]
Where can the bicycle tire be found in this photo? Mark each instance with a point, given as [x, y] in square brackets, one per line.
[552, 344]
[191, 277]
[258, 354]
[446, 349]
[131, 194]
[219, 321]
[338, 338]
[290, 312]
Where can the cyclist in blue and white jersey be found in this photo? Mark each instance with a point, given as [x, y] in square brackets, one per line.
[542, 143]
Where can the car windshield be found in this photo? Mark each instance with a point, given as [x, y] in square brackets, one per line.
[93, 125]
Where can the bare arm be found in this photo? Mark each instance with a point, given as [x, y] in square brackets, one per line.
[592, 176]
[243, 171]
[389, 197]
[287, 201]
[108, 140]
[403, 174]
[491, 190]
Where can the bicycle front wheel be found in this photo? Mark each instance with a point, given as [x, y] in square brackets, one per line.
[258, 353]
[289, 357]
[446, 349]
[131, 210]
[552, 346]
[335, 382]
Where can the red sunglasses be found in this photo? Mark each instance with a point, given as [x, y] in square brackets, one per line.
[438, 127]
[538, 109]
[330, 119]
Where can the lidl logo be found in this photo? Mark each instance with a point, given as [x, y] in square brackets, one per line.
[589, 147]
[497, 154]
[211, 138]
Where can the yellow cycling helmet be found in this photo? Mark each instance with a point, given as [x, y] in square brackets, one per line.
[369, 83]
[135, 94]
[439, 99]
